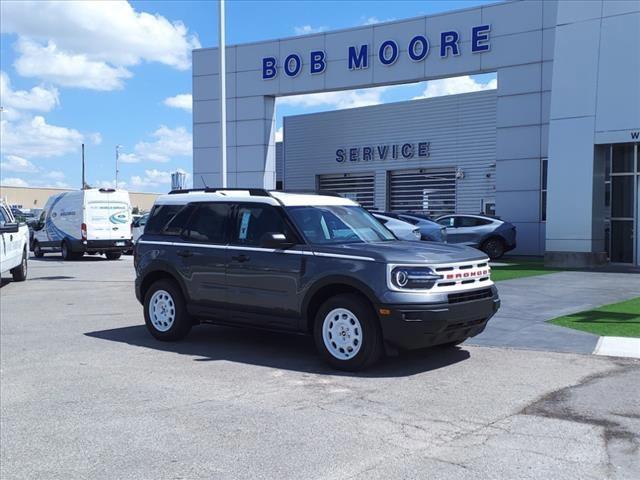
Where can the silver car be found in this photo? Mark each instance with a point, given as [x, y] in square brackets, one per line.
[491, 235]
[401, 229]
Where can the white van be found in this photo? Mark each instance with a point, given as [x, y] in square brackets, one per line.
[86, 221]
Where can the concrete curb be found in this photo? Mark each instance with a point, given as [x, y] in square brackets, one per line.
[618, 347]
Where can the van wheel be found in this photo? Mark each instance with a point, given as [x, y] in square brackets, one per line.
[347, 333]
[20, 272]
[37, 251]
[65, 250]
[494, 247]
[113, 255]
[165, 313]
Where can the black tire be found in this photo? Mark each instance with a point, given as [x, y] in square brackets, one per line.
[494, 247]
[20, 272]
[113, 255]
[182, 323]
[371, 347]
[37, 251]
[65, 251]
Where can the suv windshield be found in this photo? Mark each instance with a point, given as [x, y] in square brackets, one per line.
[338, 224]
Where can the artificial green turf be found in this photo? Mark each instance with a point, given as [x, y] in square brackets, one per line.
[520, 269]
[615, 320]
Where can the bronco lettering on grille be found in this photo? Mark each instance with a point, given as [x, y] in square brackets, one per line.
[474, 274]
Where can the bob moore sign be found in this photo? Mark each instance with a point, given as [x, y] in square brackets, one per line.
[383, 152]
[388, 53]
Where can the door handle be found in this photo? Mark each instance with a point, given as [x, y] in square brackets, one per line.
[240, 258]
[184, 253]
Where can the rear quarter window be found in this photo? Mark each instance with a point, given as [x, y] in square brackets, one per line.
[159, 217]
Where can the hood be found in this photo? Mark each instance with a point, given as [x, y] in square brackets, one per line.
[407, 252]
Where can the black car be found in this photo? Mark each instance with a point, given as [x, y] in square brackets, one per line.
[314, 264]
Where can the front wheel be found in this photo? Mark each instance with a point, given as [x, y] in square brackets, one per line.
[494, 247]
[20, 272]
[113, 255]
[347, 333]
[165, 313]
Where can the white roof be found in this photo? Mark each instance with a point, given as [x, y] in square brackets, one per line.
[275, 198]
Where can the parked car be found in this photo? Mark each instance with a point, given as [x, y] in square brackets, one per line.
[429, 230]
[312, 264]
[401, 229]
[14, 244]
[491, 235]
[84, 221]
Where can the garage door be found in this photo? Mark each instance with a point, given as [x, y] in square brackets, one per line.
[425, 190]
[356, 186]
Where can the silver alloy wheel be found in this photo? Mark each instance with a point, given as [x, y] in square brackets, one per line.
[162, 310]
[342, 333]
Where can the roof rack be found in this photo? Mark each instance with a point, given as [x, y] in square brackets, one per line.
[254, 192]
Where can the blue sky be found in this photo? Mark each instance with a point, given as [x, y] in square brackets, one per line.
[112, 73]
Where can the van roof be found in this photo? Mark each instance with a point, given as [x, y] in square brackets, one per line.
[288, 199]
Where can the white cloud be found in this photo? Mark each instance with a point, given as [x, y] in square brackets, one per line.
[95, 138]
[374, 20]
[55, 175]
[153, 179]
[337, 100]
[39, 98]
[36, 138]
[14, 163]
[13, 182]
[67, 69]
[279, 134]
[168, 143]
[183, 101]
[105, 31]
[455, 85]
[308, 29]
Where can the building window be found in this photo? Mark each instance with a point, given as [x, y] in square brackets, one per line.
[543, 189]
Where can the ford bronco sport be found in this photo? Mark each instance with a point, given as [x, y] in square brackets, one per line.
[305, 263]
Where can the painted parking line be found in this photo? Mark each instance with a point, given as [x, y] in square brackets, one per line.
[618, 347]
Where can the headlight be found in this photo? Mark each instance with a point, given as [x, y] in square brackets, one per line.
[413, 278]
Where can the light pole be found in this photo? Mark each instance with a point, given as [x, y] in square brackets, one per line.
[117, 159]
[223, 92]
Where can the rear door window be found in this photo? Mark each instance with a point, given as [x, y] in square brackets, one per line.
[447, 221]
[208, 224]
[179, 221]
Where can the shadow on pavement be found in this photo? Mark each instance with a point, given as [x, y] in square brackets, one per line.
[276, 350]
[58, 258]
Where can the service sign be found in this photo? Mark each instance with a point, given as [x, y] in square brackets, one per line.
[404, 151]
[358, 55]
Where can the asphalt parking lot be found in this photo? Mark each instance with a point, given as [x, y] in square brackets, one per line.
[87, 393]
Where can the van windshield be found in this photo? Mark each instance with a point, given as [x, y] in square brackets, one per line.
[338, 224]
[108, 212]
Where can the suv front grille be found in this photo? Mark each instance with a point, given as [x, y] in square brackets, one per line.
[467, 275]
[470, 296]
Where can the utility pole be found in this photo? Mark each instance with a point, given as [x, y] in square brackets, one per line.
[117, 159]
[84, 184]
[223, 91]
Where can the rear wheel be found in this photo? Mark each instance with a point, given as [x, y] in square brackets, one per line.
[165, 312]
[347, 333]
[494, 247]
[20, 272]
[65, 251]
[37, 251]
[113, 255]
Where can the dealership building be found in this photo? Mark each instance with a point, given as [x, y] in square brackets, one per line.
[554, 148]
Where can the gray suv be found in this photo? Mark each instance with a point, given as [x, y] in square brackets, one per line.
[305, 263]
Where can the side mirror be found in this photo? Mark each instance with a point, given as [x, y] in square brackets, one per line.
[275, 240]
[9, 228]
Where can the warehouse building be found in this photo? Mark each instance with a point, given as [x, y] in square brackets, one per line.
[554, 149]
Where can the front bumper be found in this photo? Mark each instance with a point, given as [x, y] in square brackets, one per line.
[418, 326]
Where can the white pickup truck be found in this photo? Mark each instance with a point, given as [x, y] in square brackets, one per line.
[14, 245]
